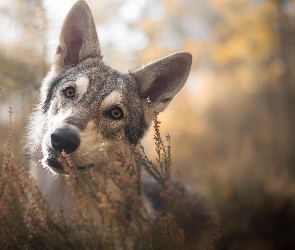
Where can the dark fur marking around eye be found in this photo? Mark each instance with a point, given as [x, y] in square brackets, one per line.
[135, 130]
[135, 133]
[50, 94]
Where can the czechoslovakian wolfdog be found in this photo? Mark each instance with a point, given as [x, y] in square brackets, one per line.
[85, 107]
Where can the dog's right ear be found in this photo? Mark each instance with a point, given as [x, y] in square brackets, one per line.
[78, 38]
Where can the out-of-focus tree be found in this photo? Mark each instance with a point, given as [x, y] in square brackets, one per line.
[23, 49]
[253, 54]
[239, 146]
[245, 64]
[22, 60]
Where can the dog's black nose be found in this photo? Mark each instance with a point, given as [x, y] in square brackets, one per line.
[66, 139]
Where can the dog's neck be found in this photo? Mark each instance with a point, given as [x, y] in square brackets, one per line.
[55, 189]
[60, 197]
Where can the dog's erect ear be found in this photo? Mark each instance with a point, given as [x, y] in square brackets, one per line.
[161, 80]
[78, 39]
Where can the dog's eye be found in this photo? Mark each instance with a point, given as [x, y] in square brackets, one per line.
[116, 113]
[70, 92]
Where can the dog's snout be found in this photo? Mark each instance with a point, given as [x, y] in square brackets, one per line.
[66, 139]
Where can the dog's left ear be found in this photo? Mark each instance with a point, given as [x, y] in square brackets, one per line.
[161, 80]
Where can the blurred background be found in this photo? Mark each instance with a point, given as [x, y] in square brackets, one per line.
[233, 124]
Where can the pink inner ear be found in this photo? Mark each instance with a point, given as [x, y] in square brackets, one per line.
[157, 88]
[76, 41]
[162, 79]
[73, 36]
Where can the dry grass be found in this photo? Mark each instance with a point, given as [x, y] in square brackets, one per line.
[109, 214]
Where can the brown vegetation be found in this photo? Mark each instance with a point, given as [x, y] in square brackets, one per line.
[232, 127]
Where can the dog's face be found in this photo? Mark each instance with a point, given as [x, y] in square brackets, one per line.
[90, 110]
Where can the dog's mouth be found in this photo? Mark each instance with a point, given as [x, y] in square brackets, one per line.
[57, 164]
[53, 163]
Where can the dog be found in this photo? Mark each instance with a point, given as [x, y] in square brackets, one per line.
[85, 106]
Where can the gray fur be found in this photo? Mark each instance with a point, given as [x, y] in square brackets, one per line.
[88, 113]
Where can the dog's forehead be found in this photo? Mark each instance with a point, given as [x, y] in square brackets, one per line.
[101, 81]
[96, 77]
[109, 89]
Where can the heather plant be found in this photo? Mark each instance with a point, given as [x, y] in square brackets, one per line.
[109, 212]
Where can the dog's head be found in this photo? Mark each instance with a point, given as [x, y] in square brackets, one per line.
[88, 108]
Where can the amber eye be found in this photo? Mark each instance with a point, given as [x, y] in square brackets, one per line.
[70, 92]
[116, 113]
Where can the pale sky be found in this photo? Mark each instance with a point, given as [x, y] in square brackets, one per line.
[112, 31]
